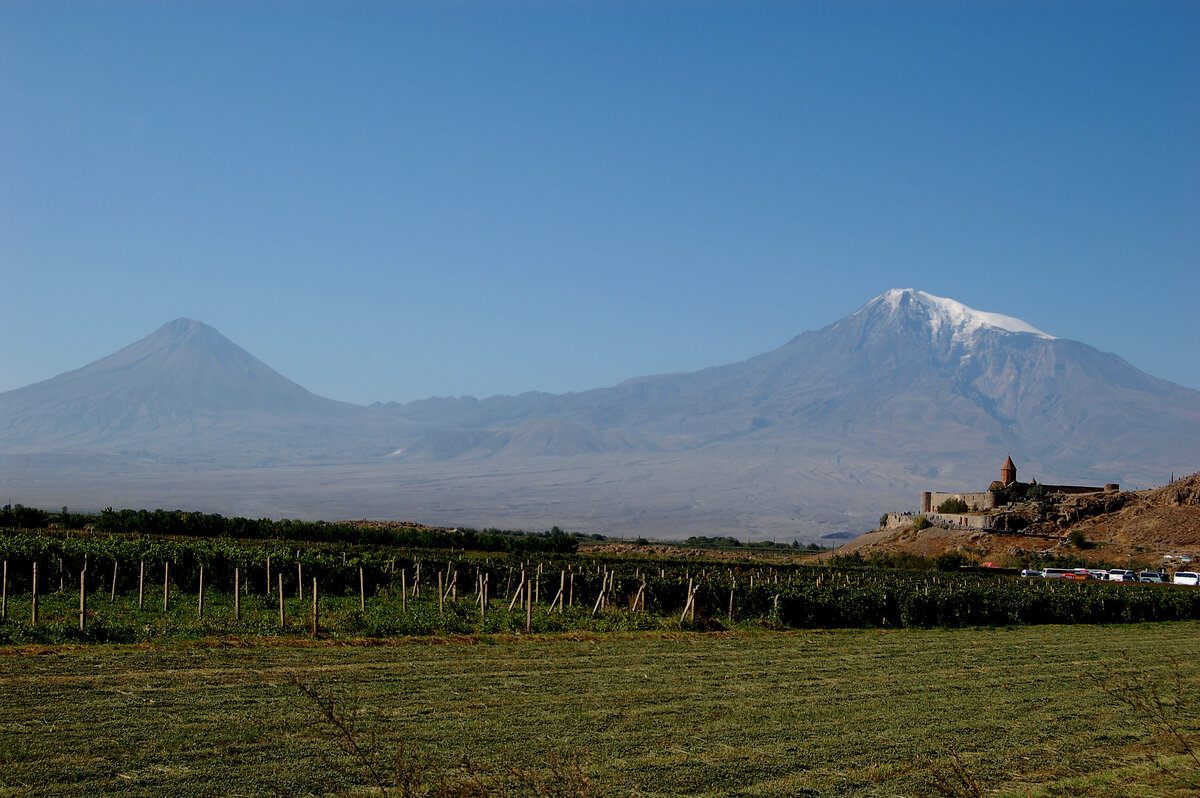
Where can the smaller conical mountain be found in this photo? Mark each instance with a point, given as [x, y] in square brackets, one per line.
[185, 376]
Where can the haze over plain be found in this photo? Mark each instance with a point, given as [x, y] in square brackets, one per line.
[396, 201]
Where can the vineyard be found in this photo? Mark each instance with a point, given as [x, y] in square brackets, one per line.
[134, 587]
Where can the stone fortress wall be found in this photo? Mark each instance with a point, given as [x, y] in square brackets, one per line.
[949, 520]
[982, 501]
[974, 501]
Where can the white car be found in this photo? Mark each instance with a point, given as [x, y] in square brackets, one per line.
[1186, 578]
[1118, 575]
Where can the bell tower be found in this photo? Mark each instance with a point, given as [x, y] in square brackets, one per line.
[1008, 472]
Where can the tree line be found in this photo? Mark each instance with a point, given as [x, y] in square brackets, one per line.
[183, 524]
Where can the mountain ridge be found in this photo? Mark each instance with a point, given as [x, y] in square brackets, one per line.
[819, 435]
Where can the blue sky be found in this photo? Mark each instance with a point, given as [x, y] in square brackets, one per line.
[390, 201]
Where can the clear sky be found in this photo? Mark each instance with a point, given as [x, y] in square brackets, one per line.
[390, 201]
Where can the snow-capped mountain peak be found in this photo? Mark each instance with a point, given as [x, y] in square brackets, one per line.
[961, 320]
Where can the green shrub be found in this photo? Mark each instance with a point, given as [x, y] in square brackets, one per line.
[1078, 540]
[953, 505]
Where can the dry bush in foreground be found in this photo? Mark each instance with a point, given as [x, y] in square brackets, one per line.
[408, 772]
[1163, 705]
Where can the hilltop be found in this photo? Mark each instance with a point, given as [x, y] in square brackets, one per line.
[1141, 526]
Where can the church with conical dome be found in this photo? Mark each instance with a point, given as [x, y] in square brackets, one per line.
[1004, 491]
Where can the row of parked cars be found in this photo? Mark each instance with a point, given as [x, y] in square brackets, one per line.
[1116, 575]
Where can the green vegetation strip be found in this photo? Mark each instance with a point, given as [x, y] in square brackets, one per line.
[368, 591]
[1039, 710]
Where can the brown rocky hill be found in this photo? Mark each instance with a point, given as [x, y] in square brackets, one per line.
[1147, 526]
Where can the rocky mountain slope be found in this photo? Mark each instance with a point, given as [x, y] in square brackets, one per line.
[1145, 526]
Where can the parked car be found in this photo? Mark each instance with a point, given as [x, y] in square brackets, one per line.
[1150, 576]
[1186, 578]
[1032, 573]
[1094, 573]
[1121, 574]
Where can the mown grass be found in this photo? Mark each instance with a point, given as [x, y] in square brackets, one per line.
[1019, 711]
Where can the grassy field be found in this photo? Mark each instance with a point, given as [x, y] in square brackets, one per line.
[1012, 711]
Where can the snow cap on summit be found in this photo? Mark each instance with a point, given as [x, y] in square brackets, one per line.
[962, 320]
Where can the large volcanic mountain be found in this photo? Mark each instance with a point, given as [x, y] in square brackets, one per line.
[817, 437]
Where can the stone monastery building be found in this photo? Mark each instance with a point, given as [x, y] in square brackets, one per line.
[1006, 486]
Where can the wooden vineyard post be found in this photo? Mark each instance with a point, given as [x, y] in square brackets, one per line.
[362, 590]
[281, 619]
[166, 583]
[731, 603]
[403, 591]
[112, 596]
[316, 624]
[417, 581]
[482, 596]
[528, 608]
[441, 596]
[299, 583]
[517, 593]
[200, 595]
[60, 576]
[268, 574]
[82, 599]
[562, 592]
[237, 594]
[4, 595]
[33, 607]
[571, 593]
[141, 583]
[689, 609]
